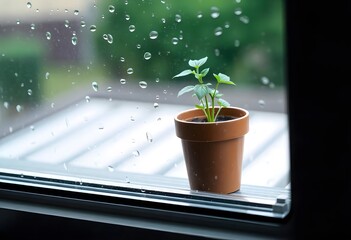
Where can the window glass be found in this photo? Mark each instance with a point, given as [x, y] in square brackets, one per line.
[88, 98]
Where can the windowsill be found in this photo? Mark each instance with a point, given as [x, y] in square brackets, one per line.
[82, 146]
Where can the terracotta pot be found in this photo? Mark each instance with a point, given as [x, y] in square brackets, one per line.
[213, 152]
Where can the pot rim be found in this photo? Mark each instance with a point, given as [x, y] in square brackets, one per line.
[212, 131]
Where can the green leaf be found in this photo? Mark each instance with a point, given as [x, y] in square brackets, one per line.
[184, 73]
[185, 90]
[199, 106]
[204, 72]
[201, 90]
[223, 103]
[197, 63]
[222, 78]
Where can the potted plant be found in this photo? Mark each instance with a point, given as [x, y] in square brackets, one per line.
[212, 134]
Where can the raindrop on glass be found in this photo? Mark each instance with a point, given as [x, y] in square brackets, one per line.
[127, 17]
[156, 105]
[76, 12]
[218, 31]
[261, 103]
[110, 168]
[87, 99]
[149, 137]
[95, 86]
[19, 108]
[66, 23]
[175, 41]
[6, 105]
[236, 43]
[32, 26]
[238, 11]
[131, 28]
[147, 55]
[130, 70]
[30, 92]
[136, 153]
[29, 4]
[109, 89]
[214, 12]
[199, 15]
[153, 34]
[111, 8]
[109, 38]
[264, 80]
[82, 23]
[123, 81]
[244, 19]
[47, 75]
[48, 35]
[74, 40]
[92, 28]
[143, 84]
[178, 18]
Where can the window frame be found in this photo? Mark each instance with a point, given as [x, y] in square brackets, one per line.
[310, 213]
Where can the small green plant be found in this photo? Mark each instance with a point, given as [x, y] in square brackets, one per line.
[207, 96]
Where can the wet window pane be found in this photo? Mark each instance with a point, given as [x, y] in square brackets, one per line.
[88, 98]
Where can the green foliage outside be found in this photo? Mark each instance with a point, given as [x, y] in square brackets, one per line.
[248, 44]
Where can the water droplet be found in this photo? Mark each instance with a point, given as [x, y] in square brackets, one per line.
[95, 86]
[264, 80]
[122, 59]
[130, 70]
[87, 99]
[111, 8]
[218, 31]
[65, 166]
[32, 26]
[143, 84]
[109, 38]
[244, 19]
[175, 41]
[215, 12]
[109, 89]
[131, 28]
[29, 4]
[123, 81]
[149, 137]
[136, 153]
[6, 105]
[127, 17]
[76, 12]
[32, 127]
[238, 11]
[74, 40]
[127, 179]
[110, 168]
[138, 46]
[18, 22]
[199, 15]
[52, 105]
[153, 34]
[93, 28]
[147, 55]
[163, 20]
[19, 108]
[30, 92]
[47, 75]
[82, 23]
[48, 35]
[178, 18]
[261, 103]
[236, 43]
[156, 105]
[66, 23]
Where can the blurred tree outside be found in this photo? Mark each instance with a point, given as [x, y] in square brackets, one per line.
[150, 40]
